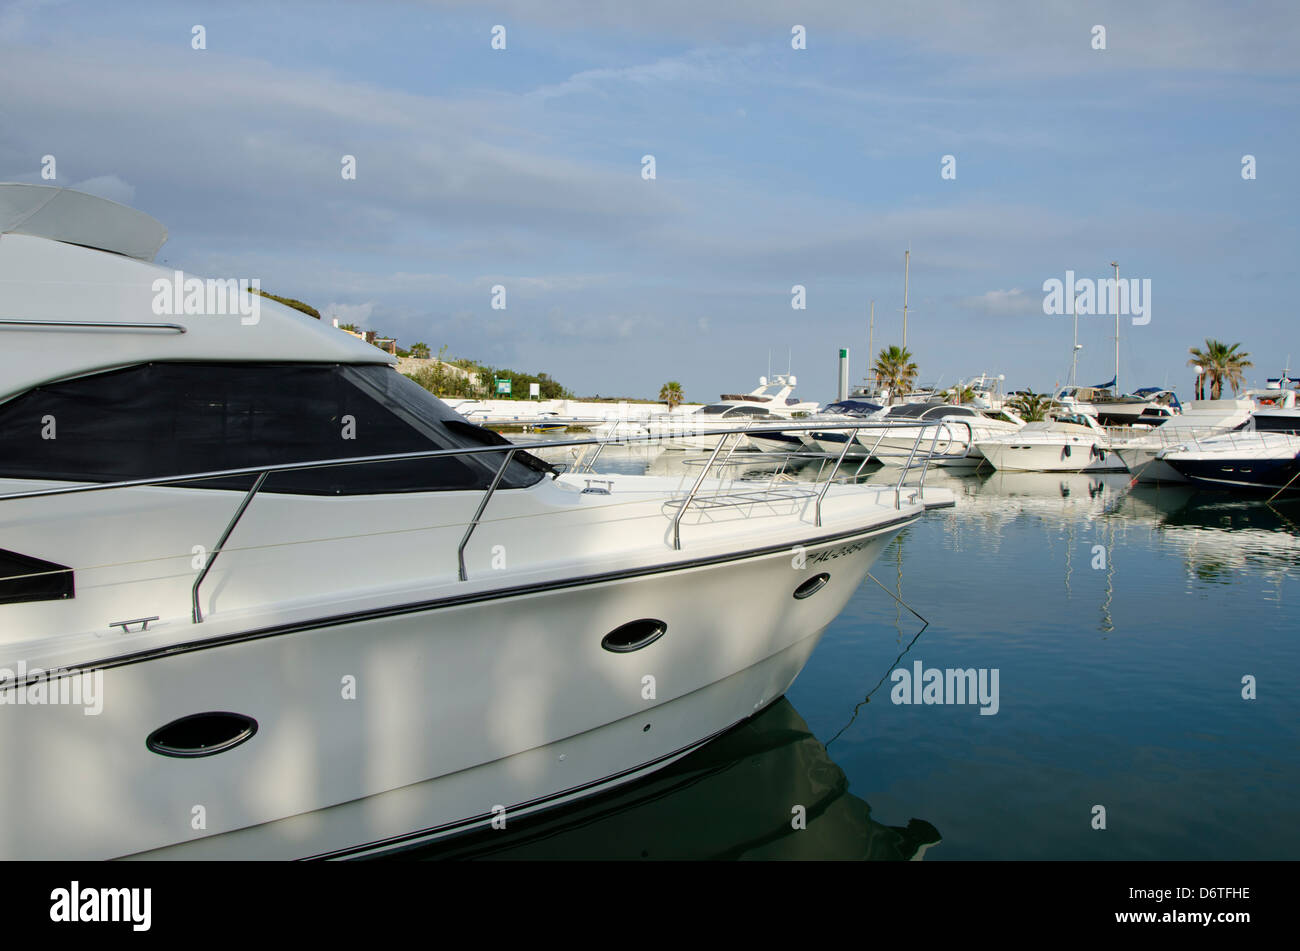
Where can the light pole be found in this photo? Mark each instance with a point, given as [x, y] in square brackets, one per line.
[1200, 394]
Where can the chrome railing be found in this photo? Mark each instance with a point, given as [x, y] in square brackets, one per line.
[1230, 438]
[509, 450]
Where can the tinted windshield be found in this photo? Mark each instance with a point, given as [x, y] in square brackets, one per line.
[164, 419]
[852, 408]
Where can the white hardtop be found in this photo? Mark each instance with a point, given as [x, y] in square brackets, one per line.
[48, 281]
[60, 214]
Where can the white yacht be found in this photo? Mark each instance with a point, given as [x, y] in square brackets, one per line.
[1258, 453]
[1149, 405]
[770, 403]
[1078, 400]
[954, 442]
[1067, 442]
[833, 440]
[261, 596]
[1256, 460]
[1199, 418]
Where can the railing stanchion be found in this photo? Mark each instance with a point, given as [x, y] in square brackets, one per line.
[690, 496]
[469, 530]
[196, 613]
[925, 465]
[831, 478]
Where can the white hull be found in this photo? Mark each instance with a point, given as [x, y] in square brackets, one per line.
[1049, 457]
[1146, 468]
[539, 778]
[684, 434]
[466, 698]
[956, 440]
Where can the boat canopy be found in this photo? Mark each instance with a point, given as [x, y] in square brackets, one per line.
[853, 408]
[60, 214]
[928, 411]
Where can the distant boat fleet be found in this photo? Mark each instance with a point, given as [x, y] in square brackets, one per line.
[1248, 443]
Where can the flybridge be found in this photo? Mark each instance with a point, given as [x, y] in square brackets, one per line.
[44, 211]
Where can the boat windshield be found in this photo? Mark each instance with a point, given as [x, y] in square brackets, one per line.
[910, 410]
[852, 408]
[165, 419]
[1075, 418]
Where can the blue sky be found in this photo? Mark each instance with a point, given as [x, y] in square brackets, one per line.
[774, 167]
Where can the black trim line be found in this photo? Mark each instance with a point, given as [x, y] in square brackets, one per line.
[419, 607]
[465, 825]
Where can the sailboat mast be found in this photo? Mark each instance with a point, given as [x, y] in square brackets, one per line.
[1074, 360]
[871, 335]
[1115, 265]
[907, 260]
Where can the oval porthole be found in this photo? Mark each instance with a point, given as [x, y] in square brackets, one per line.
[633, 635]
[811, 586]
[201, 734]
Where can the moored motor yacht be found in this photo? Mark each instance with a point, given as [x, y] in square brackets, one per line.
[1240, 460]
[1199, 418]
[954, 442]
[1067, 442]
[320, 613]
[769, 403]
[833, 440]
[1148, 405]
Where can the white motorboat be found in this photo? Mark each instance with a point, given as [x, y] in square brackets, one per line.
[833, 440]
[1199, 418]
[771, 402]
[1078, 400]
[1149, 405]
[1257, 459]
[261, 596]
[1068, 442]
[954, 442]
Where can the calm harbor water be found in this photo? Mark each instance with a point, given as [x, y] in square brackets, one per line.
[1121, 621]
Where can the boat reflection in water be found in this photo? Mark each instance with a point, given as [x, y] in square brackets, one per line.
[735, 798]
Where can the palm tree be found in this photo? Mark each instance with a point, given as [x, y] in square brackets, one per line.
[420, 351]
[671, 393]
[1030, 407]
[894, 368]
[1221, 363]
[961, 394]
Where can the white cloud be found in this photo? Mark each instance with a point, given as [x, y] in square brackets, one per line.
[358, 314]
[1012, 37]
[1010, 303]
[711, 65]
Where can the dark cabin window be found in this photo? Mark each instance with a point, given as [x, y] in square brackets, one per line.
[165, 419]
[23, 578]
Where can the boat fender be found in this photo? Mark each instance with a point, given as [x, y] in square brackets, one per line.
[1066, 451]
